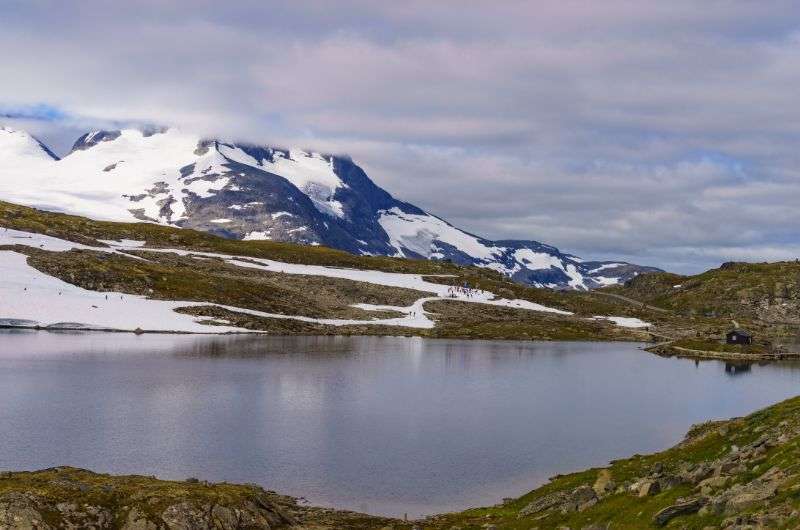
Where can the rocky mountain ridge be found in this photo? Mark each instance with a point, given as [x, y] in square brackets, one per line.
[252, 192]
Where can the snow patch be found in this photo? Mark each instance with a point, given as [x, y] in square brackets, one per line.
[419, 233]
[625, 322]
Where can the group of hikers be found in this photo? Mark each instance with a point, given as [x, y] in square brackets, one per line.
[459, 291]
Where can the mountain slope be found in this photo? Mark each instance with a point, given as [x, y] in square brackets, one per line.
[768, 292]
[250, 192]
[67, 272]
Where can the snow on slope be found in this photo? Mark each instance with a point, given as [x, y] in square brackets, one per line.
[17, 145]
[176, 178]
[29, 297]
[99, 181]
[424, 235]
[311, 173]
[420, 234]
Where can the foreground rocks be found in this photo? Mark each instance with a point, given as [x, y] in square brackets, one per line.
[71, 498]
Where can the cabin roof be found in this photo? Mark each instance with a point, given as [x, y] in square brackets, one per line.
[741, 332]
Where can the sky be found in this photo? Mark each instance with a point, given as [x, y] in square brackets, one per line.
[663, 133]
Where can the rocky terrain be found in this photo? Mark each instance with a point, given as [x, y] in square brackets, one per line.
[78, 499]
[736, 474]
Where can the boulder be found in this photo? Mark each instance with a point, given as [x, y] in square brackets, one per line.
[603, 485]
[683, 508]
[752, 497]
[21, 512]
[137, 520]
[648, 488]
[579, 499]
[542, 503]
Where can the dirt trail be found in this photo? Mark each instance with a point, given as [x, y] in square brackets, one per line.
[632, 301]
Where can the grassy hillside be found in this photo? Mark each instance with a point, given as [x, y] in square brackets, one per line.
[169, 276]
[763, 291]
[761, 297]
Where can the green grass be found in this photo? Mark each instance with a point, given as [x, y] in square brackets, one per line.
[720, 346]
[623, 510]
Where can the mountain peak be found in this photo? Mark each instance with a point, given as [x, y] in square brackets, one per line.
[90, 139]
[247, 191]
[15, 143]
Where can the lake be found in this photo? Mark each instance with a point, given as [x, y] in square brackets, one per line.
[384, 425]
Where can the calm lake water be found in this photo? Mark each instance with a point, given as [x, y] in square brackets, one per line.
[384, 425]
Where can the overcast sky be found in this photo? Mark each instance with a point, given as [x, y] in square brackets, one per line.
[665, 133]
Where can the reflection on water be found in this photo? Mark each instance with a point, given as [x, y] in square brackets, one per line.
[738, 368]
[388, 425]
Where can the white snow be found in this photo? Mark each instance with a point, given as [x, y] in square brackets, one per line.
[606, 280]
[18, 145]
[418, 233]
[278, 215]
[29, 295]
[257, 235]
[125, 243]
[221, 221]
[77, 184]
[626, 322]
[311, 173]
[537, 260]
[542, 260]
[606, 266]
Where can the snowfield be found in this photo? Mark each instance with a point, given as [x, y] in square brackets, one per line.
[626, 322]
[28, 296]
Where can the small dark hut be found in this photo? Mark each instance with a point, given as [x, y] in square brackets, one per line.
[738, 336]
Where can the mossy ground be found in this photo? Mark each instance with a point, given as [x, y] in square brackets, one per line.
[720, 346]
[151, 496]
[624, 510]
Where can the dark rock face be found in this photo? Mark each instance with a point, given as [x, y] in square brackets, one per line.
[91, 139]
[260, 204]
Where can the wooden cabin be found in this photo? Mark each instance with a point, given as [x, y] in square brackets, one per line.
[738, 336]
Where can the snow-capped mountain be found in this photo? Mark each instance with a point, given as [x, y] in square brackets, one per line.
[252, 192]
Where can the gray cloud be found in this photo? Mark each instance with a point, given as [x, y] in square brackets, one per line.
[655, 131]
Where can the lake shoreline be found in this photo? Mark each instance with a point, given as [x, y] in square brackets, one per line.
[372, 424]
[692, 482]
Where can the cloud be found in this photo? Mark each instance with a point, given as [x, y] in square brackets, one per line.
[648, 130]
